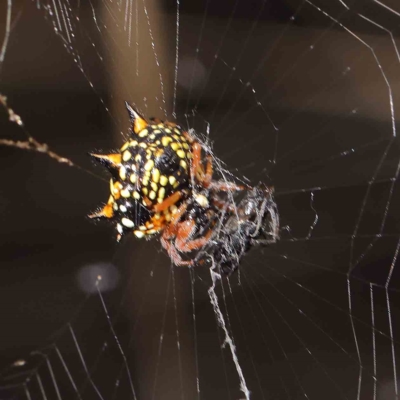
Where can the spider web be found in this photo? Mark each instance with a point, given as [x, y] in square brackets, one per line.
[302, 95]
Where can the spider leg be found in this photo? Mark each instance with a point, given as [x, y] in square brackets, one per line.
[170, 124]
[172, 229]
[227, 186]
[173, 253]
[196, 169]
[176, 237]
[169, 201]
[209, 172]
[205, 177]
[224, 205]
[185, 231]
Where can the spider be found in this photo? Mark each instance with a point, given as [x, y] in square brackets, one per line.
[232, 232]
[158, 176]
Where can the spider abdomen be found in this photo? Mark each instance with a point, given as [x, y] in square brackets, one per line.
[150, 168]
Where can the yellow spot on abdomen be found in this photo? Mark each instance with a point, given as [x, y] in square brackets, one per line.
[125, 193]
[127, 222]
[163, 180]
[183, 164]
[122, 173]
[181, 154]
[165, 140]
[149, 165]
[161, 194]
[125, 146]
[156, 175]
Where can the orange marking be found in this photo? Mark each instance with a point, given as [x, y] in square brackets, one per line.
[111, 159]
[147, 201]
[158, 223]
[106, 212]
[117, 194]
[159, 153]
[139, 124]
[115, 158]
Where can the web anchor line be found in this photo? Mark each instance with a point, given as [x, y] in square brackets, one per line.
[228, 339]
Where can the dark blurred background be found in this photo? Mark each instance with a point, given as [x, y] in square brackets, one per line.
[316, 114]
